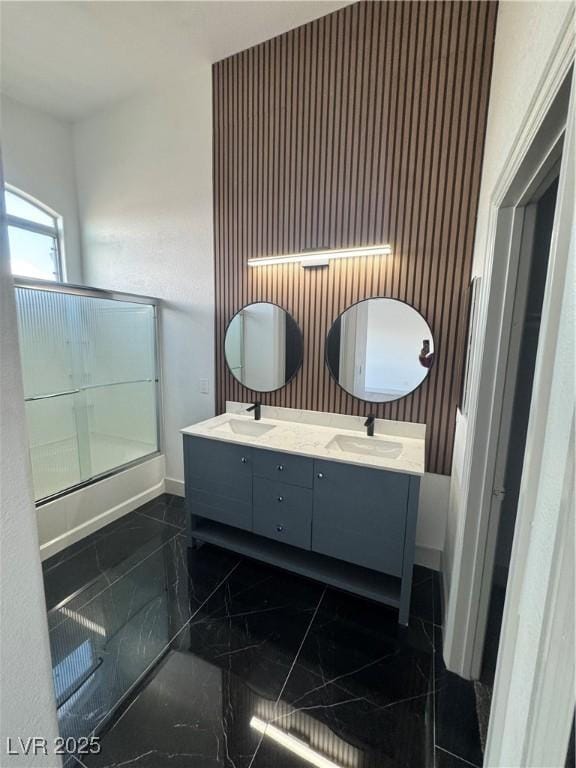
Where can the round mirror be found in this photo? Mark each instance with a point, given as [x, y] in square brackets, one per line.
[380, 349]
[263, 346]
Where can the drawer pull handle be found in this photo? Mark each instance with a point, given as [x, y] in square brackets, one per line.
[244, 460]
[320, 475]
[280, 498]
[279, 528]
[280, 467]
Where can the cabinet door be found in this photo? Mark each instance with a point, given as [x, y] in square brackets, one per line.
[219, 481]
[360, 515]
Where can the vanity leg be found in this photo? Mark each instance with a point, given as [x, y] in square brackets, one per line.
[191, 524]
[409, 544]
[404, 615]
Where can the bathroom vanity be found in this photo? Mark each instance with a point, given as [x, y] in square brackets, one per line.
[310, 492]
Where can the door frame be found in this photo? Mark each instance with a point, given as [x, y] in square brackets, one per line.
[533, 702]
[524, 169]
[516, 228]
[541, 132]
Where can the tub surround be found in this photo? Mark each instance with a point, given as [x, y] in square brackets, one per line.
[315, 434]
[68, 519]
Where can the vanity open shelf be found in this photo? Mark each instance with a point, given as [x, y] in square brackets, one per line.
[335, 515]
[352, 578]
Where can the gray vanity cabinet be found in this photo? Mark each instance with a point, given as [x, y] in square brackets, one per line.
[219, 481]
[350, 526]
[360, 515]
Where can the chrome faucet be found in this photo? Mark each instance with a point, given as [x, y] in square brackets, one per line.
[256, 407]
[369, 424]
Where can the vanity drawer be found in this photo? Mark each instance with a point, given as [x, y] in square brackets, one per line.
[283, 512]
[360, 515]
[284, 467]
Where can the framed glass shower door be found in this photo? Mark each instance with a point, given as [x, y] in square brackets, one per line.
[89, 363]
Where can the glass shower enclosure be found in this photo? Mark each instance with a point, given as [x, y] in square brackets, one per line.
[91, 382]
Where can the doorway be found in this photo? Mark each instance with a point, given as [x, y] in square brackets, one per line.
[527, 314]
[526, 368]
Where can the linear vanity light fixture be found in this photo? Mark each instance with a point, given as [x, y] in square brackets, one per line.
[291, 743]
[321, 258]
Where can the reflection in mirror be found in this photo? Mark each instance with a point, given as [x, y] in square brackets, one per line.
[380, 349]
[263, 346]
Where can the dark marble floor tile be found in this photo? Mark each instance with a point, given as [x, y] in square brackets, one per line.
[107, 578]
[72, 550]
[359, 689]
[167, 509]
[438, 598]
[108, 552]
[104, 647]
[231, 663]
[254, 625]
[445, 759]
[351, 629]
[163, 502]
[425, 602]
[228, 664]
[190, 714]
[373, 729]
[457, 728]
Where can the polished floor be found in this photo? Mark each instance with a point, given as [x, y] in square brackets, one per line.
[202, 659]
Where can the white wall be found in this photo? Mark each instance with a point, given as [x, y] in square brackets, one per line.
[526, 37]
[27, 705]
[144, 171]
[39, 160]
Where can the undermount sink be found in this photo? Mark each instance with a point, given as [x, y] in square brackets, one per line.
[242, 427]
[365, 446]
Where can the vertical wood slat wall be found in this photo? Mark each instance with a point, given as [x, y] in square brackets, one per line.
[365, 126]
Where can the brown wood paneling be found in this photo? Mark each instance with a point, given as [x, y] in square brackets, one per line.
[365, 126]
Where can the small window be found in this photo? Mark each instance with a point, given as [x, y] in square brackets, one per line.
[34, 238]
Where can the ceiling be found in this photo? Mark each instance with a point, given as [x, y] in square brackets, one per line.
[73, 58]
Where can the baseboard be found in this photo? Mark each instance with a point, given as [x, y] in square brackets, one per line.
[175, 487]
[428, 557]
[65, 521]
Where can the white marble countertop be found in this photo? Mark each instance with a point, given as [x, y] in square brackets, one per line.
[309, 433]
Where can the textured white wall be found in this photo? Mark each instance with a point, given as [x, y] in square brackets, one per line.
[526, 36]
[144, 170]
[27, 706]
[39, 160]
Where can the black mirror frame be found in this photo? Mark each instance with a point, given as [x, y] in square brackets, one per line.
[300, 356]
[378, 402]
